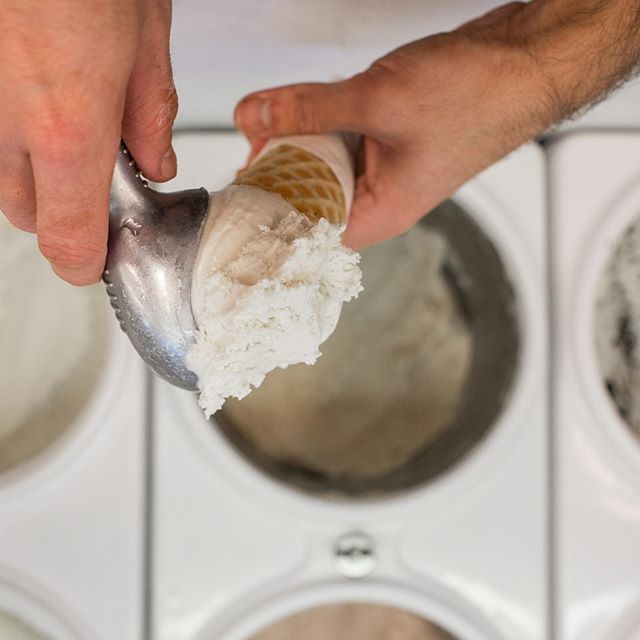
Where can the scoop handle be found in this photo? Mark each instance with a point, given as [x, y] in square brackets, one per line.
[153, 241]
[129, 190]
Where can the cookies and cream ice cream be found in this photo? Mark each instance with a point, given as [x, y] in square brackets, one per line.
[271, 273]
[617, 326]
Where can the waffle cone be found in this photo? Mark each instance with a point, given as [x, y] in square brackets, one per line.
[305, 181]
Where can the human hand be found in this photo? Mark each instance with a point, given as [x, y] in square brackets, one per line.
[76, 76]
[437, 111]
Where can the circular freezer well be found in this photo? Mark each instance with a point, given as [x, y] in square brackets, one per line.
[353, 612]
[53, 339]
[413, 378]
[353, 621]
[617, 326]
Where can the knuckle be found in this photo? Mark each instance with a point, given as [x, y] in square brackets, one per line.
[70, 253]
[377, 98]
[304, 112]
[54, 130]
[166, 109]
[292, 110]
[153, 114]
[18, 208]
[78, 280]
[387, 74]
[365, 98]
[23, 222]
[171, 103]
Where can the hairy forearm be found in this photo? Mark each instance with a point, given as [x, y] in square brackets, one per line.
[583, 49]
[437, 111]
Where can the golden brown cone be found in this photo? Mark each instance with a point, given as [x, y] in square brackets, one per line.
[305, 181]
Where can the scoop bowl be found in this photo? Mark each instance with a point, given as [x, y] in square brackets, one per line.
[153, 241]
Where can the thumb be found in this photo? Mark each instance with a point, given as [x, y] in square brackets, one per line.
[152, 103]
[306, 108]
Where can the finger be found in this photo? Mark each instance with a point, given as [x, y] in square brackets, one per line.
[370, 220]
[152, 102]
[308, 108]
[389, 197]
[17, 194]
[376, 217]
[72, 168]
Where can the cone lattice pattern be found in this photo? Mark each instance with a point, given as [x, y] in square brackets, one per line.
[302, 179]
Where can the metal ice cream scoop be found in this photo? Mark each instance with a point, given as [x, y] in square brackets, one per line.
[153, 241]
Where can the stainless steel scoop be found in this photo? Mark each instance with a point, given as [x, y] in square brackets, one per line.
[153, 241]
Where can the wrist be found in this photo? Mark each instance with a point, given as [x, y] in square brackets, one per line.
[579, 49]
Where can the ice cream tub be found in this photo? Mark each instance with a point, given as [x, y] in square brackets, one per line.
[72, 446]
[605, 319]
[362, 611]
[29, 612]
[215, 489]
[595, 203]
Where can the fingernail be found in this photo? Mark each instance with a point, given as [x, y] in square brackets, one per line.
[169, 165]
[254, 116]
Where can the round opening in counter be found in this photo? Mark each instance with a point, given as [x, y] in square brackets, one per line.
[617, 326]
[53, 340]
[415, 375]
[353, 621]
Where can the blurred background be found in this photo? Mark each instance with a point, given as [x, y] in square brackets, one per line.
[462, 463]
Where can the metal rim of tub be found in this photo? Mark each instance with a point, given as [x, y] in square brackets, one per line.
[62, 451]
[603, 239]
[40, 609]
[449, 612]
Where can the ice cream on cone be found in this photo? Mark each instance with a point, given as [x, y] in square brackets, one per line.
[303, 179]
[271, 272]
